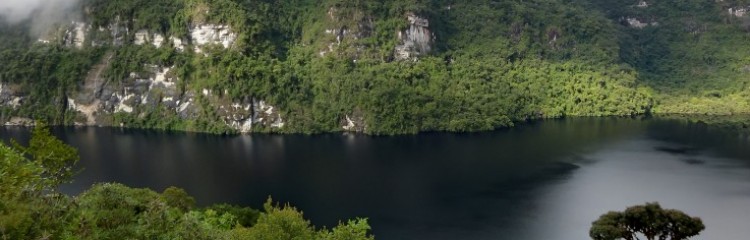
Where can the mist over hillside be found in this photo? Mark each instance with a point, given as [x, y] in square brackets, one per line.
[42, 15]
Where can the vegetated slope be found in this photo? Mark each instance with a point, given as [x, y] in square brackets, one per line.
[380, 67]
[693, 53]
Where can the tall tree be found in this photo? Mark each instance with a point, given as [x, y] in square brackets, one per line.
[54, 156]
[649, 220]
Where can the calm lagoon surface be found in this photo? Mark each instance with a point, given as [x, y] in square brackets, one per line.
[541, 180]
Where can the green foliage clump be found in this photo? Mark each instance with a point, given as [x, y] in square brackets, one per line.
[287, 223]
[245, 216]
[178, 198]
[280, 223]
[29, 176]
[650, 220]
[54, 156]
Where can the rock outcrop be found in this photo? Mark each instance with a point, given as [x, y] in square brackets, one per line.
[243, 116]
[98, 99]
[19, 121]
[738, 11]
[416, 40]
[347, 31]
[10, 97]
[354, 122]
[145, 37]
[212, 34]
[637, 23]
[75, 36]
[117, 33]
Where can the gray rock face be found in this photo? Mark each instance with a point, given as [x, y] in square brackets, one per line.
[347, 31]
[637, 23]
[118, 30]
[9, 97]
[738, 11]
[354, 122]
[19, 121]
[248, 113]
[238, 115]
[75, 35]
[98, 97]
[416, 40]
[117, 33]
[267, 115]
[146, 37]
[97, 100]
[212, 34]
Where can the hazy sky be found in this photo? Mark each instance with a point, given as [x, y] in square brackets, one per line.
[44, 13]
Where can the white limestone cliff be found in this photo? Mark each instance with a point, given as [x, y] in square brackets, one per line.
[416, 40]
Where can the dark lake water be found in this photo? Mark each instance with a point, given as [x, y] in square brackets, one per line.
[544, 180]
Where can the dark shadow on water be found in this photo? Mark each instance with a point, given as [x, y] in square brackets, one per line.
[561, 168]
[694, 161]
[523, 183]
[678, 150]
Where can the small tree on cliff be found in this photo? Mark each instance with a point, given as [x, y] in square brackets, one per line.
[648, 220]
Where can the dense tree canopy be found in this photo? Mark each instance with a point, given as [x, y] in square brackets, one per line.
[648, 220]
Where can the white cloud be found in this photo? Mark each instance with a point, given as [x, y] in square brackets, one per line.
[43, 13]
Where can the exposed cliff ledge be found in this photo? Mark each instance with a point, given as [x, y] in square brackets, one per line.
[10, 97]
[78, 34]
[354, 122]
[346, 32]
[738, 11]
[146, 37]
[97, 101]
[638, 23]
[244, 115]
[416, 39]
[212, 34]
[413, 41]
[200, 36]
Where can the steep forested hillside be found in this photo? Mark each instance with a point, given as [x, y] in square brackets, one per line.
[694, 54]
[379, 67]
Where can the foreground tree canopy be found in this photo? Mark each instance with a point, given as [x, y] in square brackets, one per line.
[648, 220]
[31, 207]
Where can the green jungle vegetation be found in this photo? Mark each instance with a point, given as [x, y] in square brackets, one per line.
[32, 208]
[493, 63]
[735, 123]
